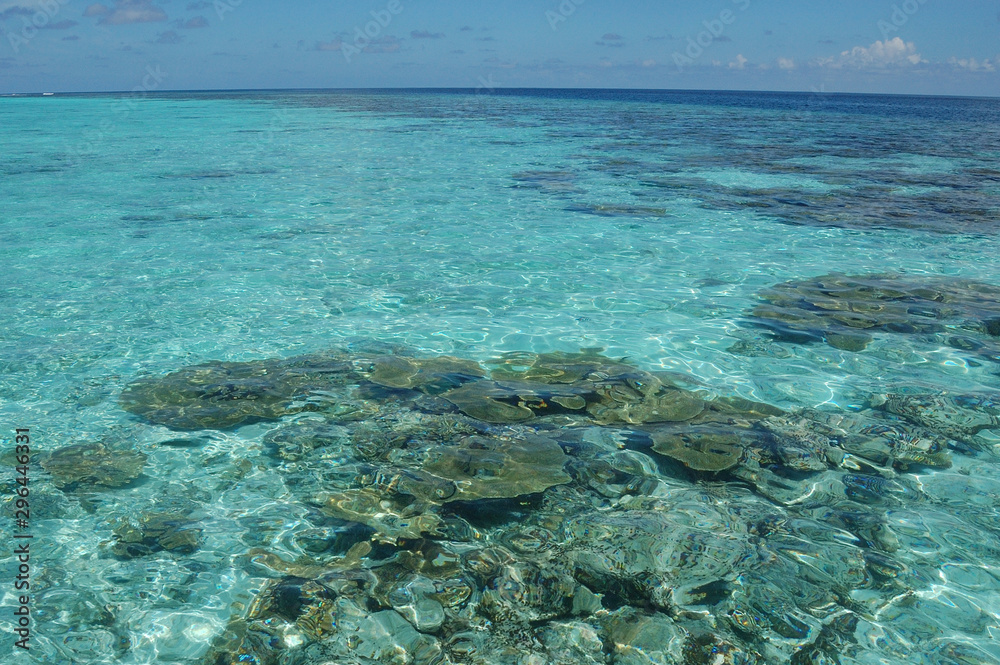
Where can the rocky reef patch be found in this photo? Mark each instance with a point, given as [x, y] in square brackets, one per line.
[564, 507]
[847, 312]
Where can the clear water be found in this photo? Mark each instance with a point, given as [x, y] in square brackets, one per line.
[140, 236]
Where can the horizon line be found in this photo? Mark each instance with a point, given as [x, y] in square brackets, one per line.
[493, 91]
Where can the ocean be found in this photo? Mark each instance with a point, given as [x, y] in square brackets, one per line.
[500, 376]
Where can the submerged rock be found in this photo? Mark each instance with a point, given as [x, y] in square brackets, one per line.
[296, 441]
[304, 567]
[430, 375]
[154, 532]
[710, 649]
[796, 444]
[559, 367]
[959, 417]
[391, 520]
[644, 638]
[388, 637]
[648, 557]
[223, 395]
[787, 442]
[351, 609]
[375, 439]
[527, 385]
[649, 403]
[400, 498]
[617, 210]
[758, 349]
[886, 442]
[536, 526]
[474, 468]
[491, 468]
[414, 598]
[573, 643]
[562, 182]
[516, 401]
[701, 448]
[525, 592]
[93, 464]
[328, 617]
[846, 310]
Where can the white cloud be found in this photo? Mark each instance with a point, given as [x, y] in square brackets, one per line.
[890, 53]
[973, 65]
[786, 63]
[739, 63]
[128, 11]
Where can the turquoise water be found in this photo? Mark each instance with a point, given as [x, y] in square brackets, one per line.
[143, 236]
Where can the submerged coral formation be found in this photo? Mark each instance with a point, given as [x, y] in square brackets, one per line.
[153, 532]
[846, 311]
[222, 395]
[563, 507]
[491, 468]
[960, 417]
[89, 464]
[431, 375]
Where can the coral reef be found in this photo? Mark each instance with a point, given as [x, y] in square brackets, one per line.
[847, 311]
[90, 464]
[567, 507]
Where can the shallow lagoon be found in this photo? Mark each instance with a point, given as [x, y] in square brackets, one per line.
[851, 519]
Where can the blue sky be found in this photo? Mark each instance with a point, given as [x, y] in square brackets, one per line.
[893, 46]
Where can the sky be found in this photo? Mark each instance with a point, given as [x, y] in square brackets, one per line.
[873, 46]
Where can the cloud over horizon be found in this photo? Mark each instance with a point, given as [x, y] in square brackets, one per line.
[192, 23]
[769, 46]
[16, 10]
[973, 65]
[169, 37]
[127, 12]
[890, 53]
